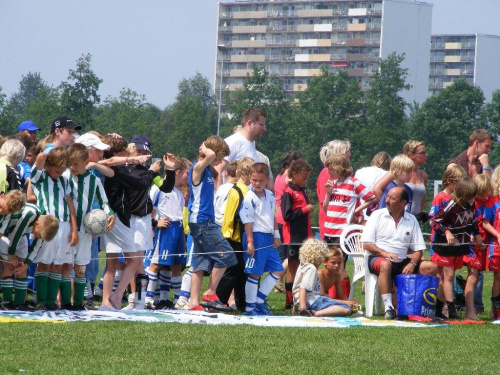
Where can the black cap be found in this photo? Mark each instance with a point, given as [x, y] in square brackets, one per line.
[63, 122]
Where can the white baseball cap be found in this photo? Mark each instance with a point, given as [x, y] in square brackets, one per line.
[89, 139]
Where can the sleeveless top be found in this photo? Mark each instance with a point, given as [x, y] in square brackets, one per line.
[419, 192]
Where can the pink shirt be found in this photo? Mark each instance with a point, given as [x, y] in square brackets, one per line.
[279, 188]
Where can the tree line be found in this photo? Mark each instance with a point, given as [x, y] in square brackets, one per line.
[331, 107]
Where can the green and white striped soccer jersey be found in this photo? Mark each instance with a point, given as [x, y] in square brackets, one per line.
[51, 194]
[15, 226]
[86, 189]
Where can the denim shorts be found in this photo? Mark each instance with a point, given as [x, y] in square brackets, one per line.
[210, 248]
[323, 302]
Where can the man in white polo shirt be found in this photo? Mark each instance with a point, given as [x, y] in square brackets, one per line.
[242, 142]
[390, 234]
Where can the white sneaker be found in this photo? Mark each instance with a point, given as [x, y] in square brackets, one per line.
[131, 302]
[182, 304]
[98, 292]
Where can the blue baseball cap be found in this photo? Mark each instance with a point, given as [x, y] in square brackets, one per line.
[142, 142]
[27, 125]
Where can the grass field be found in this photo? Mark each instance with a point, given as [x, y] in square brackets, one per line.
[171, 348]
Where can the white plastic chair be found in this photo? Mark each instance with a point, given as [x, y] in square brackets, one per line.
[351, 245]
[350, 242]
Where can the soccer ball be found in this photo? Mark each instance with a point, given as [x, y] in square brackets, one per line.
[95, 222]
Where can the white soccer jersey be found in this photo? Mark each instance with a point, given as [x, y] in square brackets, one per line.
[259, 211]
[168, 205]
[220, 200]
[85, 189]
[51, 194]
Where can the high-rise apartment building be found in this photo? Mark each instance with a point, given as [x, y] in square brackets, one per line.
[473, 57]
[294, 39]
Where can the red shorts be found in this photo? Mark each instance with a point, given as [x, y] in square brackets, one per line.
[478, 260]
[456, 262]
[494, 263]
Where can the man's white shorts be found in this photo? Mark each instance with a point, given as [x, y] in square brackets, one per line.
[120, 239]
[143, 235]
[58, 251]
[21, 251]
[82, 251]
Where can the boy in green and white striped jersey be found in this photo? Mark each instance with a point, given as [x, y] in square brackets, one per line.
[14, 250]
[54, 196]
[86, 189]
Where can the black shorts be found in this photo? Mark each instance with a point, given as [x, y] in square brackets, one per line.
[292, 252]
[397, 268]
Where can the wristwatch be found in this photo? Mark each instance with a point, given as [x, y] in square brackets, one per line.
[415, 264]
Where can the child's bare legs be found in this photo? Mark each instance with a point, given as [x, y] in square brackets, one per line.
[495, 296]
[293, 265]
[217, 274]
[470, 286]
[134, 263]
[448, 276]
[196, 281]
[112, 264]
[333, 311]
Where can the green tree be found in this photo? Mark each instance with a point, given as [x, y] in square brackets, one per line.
[128, 115]
[43, 109]
[192, 118]
[492, 111]
[79, 95]
[385, 126]
[265, 92]
[330, 108]
[444, 122]
[29, 87]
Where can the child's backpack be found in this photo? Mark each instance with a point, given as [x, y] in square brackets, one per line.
[459, 289]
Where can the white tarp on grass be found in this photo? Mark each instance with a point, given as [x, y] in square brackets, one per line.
[185, 317]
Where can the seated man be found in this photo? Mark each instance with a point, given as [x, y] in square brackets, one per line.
[389, 234]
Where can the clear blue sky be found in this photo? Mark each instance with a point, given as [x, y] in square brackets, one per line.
[149, 46]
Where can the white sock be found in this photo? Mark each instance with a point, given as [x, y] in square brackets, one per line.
[153, 281]
[387, 298]
[165, 278]
[251, 289]
[266, 286]
[186, 286]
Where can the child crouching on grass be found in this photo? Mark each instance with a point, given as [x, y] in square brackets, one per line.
[307, 287]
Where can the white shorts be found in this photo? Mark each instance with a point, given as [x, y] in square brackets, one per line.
[120, 239]
[58, 251]
[21, 251]
[82, 251]
[143, 234]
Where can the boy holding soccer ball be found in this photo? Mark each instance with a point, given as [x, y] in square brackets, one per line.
[86, 189]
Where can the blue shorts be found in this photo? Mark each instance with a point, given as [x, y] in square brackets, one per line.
[210, 248]
[169, 245]
[323, 302]
[265, 258]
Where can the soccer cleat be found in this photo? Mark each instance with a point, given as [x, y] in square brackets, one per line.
[253, 312]
[67, 306]
[23, 307]
[164, 305]
[262, 309]
[88, 304]
[390, 314]
[51, 307]
[211, 301]
[182, 304]
[6, 306]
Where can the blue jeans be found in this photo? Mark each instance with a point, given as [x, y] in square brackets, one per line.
[210, 248]
[323, 302]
